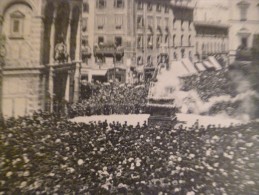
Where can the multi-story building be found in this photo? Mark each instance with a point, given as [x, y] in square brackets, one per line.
[211, 40]
[244, 26]
[128, 38]
[211, 26]
[42, 47]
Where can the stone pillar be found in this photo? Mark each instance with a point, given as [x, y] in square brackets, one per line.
[52, 37]
[77, 82]
[68, 38]
[51, 88]
[78, 41]
[90, 77]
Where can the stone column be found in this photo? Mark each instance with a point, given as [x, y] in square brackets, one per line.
[77, 82]
[51, 88]
[68, 38]
[52, 37]
[90, 77]
[78, 41]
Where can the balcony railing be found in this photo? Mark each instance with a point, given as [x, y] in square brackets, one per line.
[108, 49]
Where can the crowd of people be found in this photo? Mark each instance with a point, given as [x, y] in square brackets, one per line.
[45, 154]
[111, 98]
[210, 84]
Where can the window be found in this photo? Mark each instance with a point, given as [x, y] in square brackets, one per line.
[149, 6]
[140, 41]
[182, 23]
[119, 3]
[158, 40]
[17, 24]
[118, 41]
[149, 61]
[150, 42]
[140, 5]
[139, 60]
[118, 22]
[140, 22]
[101, 4]
[166, 9]
[100, 40]
[100, 22]
[174, 40]
[85, 7]
[85, 49]
[183, 53]
[182, 40]
[84, 24]
[158, 7]
[158, 59]
[243, 6]
[85, 41]
[243, 42]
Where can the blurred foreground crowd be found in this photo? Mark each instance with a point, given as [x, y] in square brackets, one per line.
[111, 98]
[45, 154]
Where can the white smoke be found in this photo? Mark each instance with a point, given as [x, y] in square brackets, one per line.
[168, 85]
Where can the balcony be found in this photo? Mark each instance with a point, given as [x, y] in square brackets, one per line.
[108, 49]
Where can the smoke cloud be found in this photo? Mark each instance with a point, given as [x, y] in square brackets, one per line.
[168, 85]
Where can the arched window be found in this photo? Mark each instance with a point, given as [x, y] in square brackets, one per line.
[17, 24]
[182, 40]
[149, 61]
[139, 60]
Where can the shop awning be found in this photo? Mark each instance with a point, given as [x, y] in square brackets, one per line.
[200, 67]
[100, 72]
[215, 63]
[207, 64]
[189, 65]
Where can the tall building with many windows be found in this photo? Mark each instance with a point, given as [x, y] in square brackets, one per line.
[244, 26]
[127, 39]
[41, 67]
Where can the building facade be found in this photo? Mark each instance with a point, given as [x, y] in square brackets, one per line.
[133, 37]
[41, 61]
[211, 40]
[244, 26]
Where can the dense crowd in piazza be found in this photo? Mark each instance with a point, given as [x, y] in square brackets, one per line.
[45, 154]
[210, 84]
[115, 98]
[111, 98]
[48, 154]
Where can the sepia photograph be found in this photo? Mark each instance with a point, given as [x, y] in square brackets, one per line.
[129, 97]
